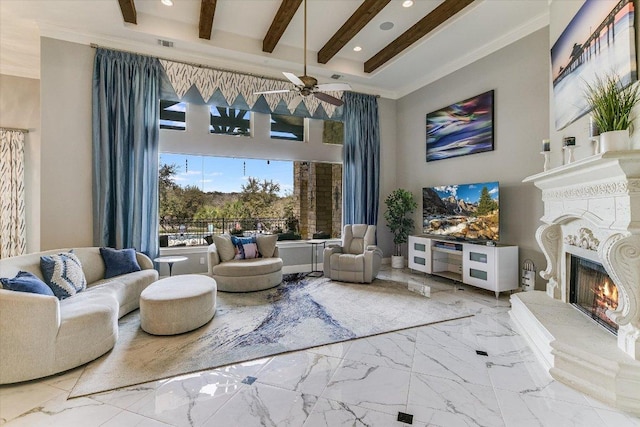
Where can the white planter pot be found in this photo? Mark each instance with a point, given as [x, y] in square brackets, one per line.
[397, 261]
[615, 140]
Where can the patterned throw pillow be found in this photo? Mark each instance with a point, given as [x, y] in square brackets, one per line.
[246, 247]
[26, 282]
[63, 273]
[119, 262]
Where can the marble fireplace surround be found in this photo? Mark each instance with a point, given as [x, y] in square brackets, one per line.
[592, 210]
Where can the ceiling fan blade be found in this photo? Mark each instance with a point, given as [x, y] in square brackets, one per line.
[272, 91]
[293, 78]
[294, 103]
[328, 98]
[332, 87]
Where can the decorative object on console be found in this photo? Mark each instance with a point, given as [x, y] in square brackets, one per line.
[465, 127]
[400, 203]
[568, 156]
[611, 105]
[546, 145]
[580, 49]
[546, 152]
[547, 159]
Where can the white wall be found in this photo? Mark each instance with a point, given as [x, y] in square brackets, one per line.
[20, 108]
[519, 74]
[66, 171]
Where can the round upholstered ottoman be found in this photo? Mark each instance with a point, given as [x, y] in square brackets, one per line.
[177, 304]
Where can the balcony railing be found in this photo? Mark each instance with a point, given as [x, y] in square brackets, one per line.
[188, 232]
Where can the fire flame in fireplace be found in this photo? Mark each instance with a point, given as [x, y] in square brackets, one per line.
[606, 295]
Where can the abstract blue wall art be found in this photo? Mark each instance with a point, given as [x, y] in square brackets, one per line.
[465, 127]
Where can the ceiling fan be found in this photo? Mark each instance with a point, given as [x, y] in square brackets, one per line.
[307, 85]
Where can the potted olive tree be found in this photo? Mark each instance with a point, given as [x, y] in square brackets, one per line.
[611, 107]
[400, 204]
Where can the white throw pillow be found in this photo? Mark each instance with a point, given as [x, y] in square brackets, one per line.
[224, 246]
[267, 244]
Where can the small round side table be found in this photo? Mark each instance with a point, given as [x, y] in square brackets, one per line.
[170, 260]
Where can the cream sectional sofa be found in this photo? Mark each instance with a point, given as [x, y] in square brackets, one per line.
[41, 335]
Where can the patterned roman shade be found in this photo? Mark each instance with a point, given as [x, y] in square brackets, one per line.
[238, 90]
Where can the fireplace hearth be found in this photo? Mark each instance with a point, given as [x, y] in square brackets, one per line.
[593, 292]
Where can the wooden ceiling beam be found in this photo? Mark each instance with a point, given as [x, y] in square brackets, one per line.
[280, 23]
[433, 20]
[361, 17]
[207, 11]
[128, 9]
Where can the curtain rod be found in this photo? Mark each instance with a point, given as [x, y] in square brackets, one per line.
[16, 129]
[194, 64]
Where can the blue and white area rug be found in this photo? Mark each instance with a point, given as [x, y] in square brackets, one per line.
[300, 313]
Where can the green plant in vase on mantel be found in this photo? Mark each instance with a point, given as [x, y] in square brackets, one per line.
[400, 204]
[611, 110]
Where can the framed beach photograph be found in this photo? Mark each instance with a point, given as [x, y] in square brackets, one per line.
[599, 40]
[465, 127]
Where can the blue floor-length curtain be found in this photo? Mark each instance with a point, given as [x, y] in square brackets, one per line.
[125, 150]
[361, 159]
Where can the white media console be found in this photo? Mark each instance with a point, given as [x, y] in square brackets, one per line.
[494, 268]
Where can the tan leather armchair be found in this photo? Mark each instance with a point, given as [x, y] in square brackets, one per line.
[358, 259]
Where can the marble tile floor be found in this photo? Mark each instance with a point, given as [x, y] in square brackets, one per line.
[475, 371]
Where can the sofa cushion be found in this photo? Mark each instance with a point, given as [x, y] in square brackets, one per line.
[119, 261]
[26, 282]
[267, 244]
[63, 273]
[248, 267]
[246, 247]
[224, 246]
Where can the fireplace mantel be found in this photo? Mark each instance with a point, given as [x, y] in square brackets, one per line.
[591, 206]
[603, 188]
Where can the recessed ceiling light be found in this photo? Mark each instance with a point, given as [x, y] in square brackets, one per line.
[357, 48]
[167, 2]
[407, 3]
[386, 26]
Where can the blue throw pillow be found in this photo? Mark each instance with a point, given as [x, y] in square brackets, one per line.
[63, 273]
[119, 261]
[26, 282]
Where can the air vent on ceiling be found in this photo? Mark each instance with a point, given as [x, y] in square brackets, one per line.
[165, 43]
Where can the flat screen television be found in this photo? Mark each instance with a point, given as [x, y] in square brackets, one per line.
[462, 211]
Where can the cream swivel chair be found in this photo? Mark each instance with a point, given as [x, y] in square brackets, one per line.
[358, 259]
